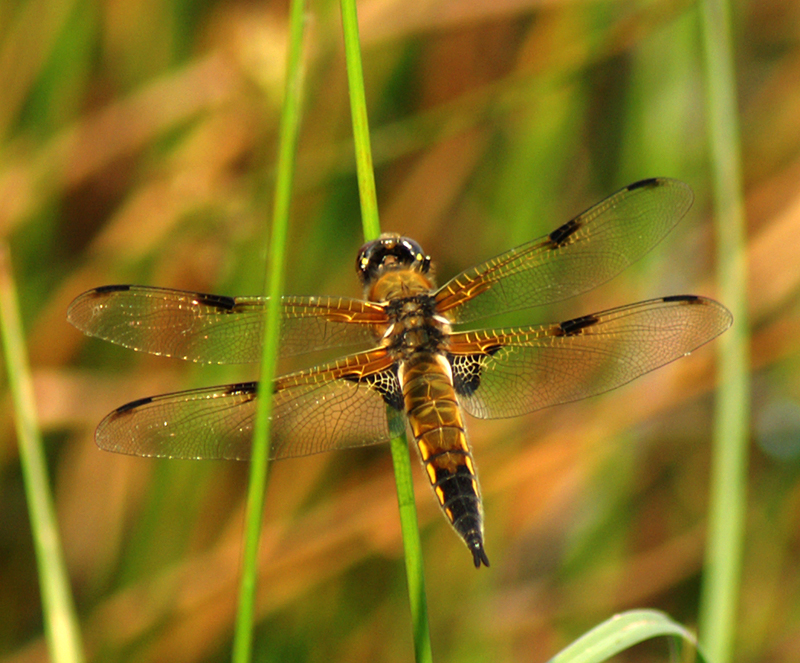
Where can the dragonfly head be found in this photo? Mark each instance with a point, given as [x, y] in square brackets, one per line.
[390, 252]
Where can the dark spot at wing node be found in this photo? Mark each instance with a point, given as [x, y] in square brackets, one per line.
[576, 325]
[643, 184]
[242, 388]
[221, 302]
[561, 234]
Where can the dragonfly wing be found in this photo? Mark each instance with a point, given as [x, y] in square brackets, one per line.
[218, 329]
[505, 373]
[589, 250]
[349, 403]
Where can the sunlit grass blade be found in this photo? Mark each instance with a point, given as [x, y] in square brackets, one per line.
[621, 632]
[369, 217]
[412, 549]
[721, 582]
[358, 109]
[60, 619]
[289, 129]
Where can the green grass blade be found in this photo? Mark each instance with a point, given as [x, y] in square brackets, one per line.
[621, 632]
[289, 129]
[358, 110]
[400, 456]
[60, 619]
[412, 549]
[719, 598]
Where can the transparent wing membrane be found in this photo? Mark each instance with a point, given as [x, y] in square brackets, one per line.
[589, 250]
[337, 406]
[217, 329]
[506, 373]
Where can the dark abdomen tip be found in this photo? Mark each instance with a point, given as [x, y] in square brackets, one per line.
[475, 545]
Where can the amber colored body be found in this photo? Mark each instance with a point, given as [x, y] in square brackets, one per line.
[417, 338]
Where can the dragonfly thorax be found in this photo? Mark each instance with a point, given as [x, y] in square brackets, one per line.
[415, 327]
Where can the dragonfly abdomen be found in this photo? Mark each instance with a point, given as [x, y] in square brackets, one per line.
[438, 428]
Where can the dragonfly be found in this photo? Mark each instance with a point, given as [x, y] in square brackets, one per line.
[408, 365]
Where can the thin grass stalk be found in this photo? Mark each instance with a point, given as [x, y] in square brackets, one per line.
[358, 109]
[259, 465]
[60, 619]
[721, 580]
[400, 456]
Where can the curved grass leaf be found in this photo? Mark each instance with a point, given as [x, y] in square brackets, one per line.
[621, 632]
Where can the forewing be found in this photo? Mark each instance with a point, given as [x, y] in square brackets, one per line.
[218, 329]
[349, 403]
[505, 373]
[583, 253]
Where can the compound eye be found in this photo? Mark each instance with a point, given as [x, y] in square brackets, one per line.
[370, 257]
[415, 256]
[390, 252]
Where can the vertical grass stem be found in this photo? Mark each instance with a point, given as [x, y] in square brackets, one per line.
[369, 217]
[289, 129]
[60, 619]
[721, 581]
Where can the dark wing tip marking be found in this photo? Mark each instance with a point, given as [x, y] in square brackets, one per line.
[681, 298]
[133, 405]
[222, 302]
[576, 325]
[645, 184]
[104, 289]
[725, 319]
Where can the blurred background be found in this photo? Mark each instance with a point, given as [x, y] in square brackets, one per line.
[137, 142]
